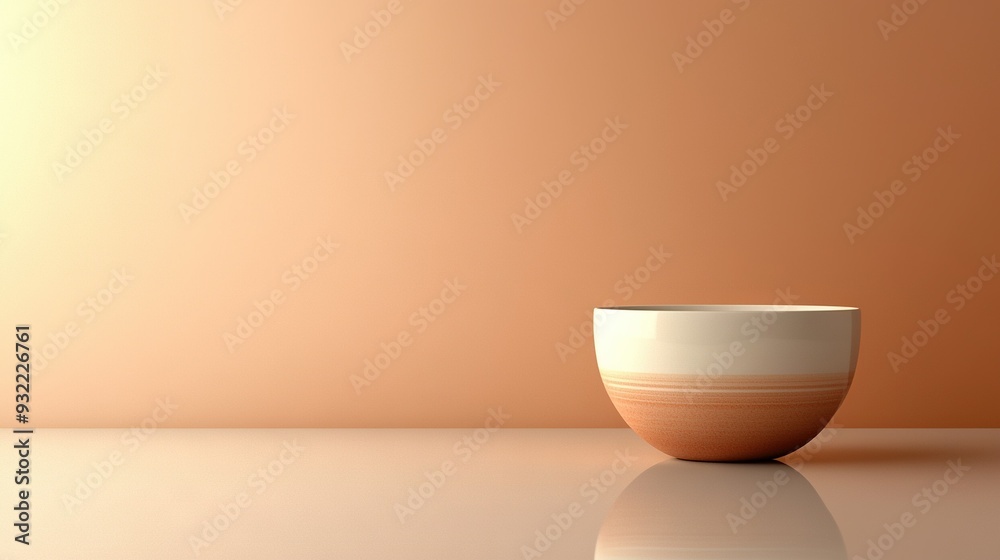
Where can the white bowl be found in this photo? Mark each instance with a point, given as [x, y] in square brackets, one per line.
[727, 382]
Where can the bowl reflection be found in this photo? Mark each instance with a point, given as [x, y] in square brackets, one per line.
[681, 509]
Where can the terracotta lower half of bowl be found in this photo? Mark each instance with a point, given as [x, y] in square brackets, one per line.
[729, 417]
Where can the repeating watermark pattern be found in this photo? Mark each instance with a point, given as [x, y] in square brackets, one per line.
[247, 151]
[958, 298]
[230, 511]
[757, 501]
[913, 168]
[121, 109]
[365, 33]
[801, 456]
[751, 330]
[131, 440]
[580, 160]
[225, 7]
[697, 43]
[33, 24]
[627, 287]
[786, 126]
[923, 501]
[898, 17]
[419, 495]
[562, 12]
[454, 117]
[87, 310]
[590, 491]
[292, 279]
[768, 489]
[421, 319]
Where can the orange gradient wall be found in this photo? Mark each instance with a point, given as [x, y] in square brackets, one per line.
[216, 214]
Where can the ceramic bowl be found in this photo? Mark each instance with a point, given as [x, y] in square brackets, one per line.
[727, 382]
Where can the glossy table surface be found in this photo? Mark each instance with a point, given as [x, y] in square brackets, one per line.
[510, 493]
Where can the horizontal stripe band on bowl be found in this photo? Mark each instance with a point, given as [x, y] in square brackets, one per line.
[760, 389]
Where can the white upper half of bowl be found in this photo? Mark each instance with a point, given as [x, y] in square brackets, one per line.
[727, 339]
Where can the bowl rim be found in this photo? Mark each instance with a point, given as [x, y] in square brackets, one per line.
[728, 308]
